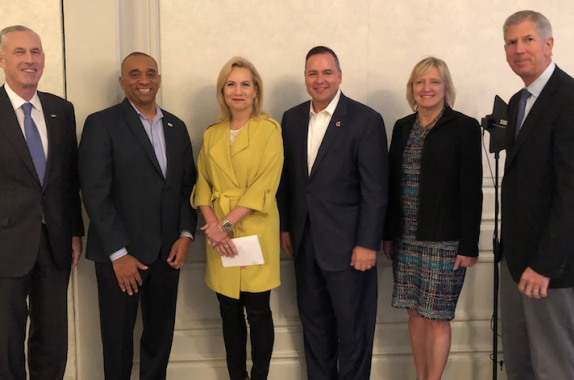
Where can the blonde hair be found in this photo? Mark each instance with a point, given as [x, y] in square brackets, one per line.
[225, 112]
[422, 67]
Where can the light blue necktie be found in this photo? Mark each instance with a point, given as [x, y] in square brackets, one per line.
[521, 108]
[34, 142]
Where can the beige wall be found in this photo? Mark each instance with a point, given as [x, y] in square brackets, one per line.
[378, 42]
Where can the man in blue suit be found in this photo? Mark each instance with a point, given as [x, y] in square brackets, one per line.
[332, 200]
[137, 174]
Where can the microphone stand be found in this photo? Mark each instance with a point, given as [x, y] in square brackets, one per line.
[495, 124]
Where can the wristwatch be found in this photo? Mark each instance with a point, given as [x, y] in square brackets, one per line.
[227, 225]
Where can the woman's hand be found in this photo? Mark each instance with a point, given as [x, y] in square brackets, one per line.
[226, 248]
[213, 233]
[464, 262]
[388, 249]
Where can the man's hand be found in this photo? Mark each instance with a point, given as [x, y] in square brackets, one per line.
[126, 269]
[388, 249]
[533, 285]
[464, 261]
[76, 250]
[178, 252]
[363, 259]
[285, 239]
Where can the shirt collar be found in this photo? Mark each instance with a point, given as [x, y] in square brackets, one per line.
[17, 101]
[158, 113]
[330, 108]
[537, 86]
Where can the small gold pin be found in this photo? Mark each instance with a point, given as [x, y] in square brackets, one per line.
[170, 124]
[52, 115]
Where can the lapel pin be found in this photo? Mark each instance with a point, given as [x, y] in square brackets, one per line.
[52, 115]
[338, 124]
[170, 124]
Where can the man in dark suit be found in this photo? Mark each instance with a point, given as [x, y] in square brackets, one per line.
[137, 174]
[40, 212]
[538, 209]
[332, 202]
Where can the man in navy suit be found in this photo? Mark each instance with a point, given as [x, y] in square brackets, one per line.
[332, 201]
[137, 174]
[537, 274]
[40, 212]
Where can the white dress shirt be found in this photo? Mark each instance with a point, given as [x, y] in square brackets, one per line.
[536, 88]
[37, 115]
[318, 124]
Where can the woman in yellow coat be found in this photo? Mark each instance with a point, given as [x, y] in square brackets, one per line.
[239, 170]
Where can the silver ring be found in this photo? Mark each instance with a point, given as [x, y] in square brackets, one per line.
[368, 267]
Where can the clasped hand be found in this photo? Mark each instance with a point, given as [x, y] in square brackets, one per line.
[219, 240]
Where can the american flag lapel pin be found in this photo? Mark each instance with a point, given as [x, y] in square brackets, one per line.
[170, 124]
[338, 124]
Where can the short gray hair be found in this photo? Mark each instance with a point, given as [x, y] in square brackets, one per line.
[538, 19]
[14, 28]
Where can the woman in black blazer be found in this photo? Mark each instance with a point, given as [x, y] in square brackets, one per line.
[434, 211]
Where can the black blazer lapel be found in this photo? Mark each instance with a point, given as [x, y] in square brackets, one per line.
[133, 120]
[532, 121]
[302, 135]
[336, 124]
[171, 141]
[11, 128]
[51, 118]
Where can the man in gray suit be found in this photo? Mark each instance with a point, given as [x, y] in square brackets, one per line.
[537, 274]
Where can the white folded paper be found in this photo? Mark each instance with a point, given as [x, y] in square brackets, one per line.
[249, 253]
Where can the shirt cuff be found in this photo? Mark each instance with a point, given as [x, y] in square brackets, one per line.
[186, 233]
[119, 253]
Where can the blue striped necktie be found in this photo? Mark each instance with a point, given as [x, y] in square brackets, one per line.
[521, 109]
[34, 142]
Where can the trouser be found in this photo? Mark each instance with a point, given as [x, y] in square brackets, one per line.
[338, 311]
[46, 285]
[118, 312]
[537, 334]
[235, 333]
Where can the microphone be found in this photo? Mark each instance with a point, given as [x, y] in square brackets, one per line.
[495, 124]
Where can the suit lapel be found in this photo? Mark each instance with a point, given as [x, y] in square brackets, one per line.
[533, 118]
[51, 118]
[336, 124]
[10, 127]
[133, 120]
[242, 140]
[220, 152]
[301, 136]
[171, 138]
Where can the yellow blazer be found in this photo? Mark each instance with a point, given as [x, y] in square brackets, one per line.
[247, 174]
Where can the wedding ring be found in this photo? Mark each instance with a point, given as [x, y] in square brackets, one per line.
[368, 267]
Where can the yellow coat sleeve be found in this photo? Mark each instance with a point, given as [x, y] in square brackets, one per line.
[260, 195]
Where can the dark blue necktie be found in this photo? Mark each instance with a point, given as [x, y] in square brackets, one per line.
[34, 142]
[521, 108]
